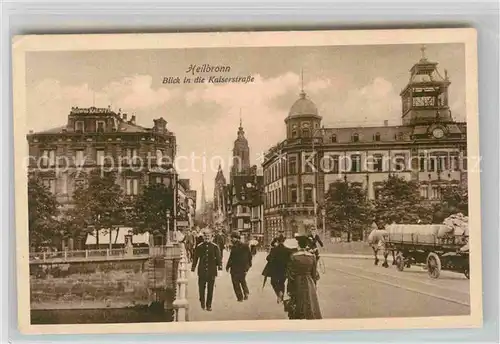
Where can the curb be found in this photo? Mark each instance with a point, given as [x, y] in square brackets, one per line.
[353, 256]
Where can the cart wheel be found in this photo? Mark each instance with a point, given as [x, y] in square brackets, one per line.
[433, 265]
[466, 273]
[400, 263]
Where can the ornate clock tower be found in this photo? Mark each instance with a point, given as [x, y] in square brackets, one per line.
[425, 98]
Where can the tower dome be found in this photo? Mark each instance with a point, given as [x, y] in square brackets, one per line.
[303, 107]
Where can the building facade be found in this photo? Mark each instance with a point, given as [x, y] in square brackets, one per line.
[428, 146]
[92, 138]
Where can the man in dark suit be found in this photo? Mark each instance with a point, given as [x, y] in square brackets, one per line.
[220, 241]
[279, 238]
[239, 262]
[208, 256]
[278, 259]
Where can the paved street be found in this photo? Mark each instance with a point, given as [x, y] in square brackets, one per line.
[348, 288]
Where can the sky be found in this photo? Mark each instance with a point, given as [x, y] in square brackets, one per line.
[350, 85]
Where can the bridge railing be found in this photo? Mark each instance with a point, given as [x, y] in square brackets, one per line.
[114, 253]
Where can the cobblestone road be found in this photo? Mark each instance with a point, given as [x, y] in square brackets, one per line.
[348, 288]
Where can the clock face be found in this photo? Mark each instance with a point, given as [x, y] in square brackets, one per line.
[438, 133]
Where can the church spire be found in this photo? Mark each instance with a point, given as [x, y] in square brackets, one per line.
[203, 196]
[302, 92]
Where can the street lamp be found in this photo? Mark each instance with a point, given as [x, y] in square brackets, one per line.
[323, 213]
[168, 226]
[315, 200]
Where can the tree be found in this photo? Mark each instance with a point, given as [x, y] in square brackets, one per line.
[454, 199]
[43, 210]
[347, 207]
[151, 208]
[99, 205]
[400, 201]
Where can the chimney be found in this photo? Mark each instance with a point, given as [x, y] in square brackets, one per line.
[124, 116]
[132, 120]
[386, 123]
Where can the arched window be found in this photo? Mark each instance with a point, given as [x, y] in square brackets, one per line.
[377, 136]
[294, 133]
[355, 137]
[334, 138]
[305, 132]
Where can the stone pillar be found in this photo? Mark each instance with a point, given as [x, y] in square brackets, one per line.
[181, 304]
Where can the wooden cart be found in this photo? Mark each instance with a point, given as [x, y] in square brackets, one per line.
[434, 252]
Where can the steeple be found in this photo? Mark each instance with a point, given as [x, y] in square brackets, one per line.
[203, 202]
[241, 152]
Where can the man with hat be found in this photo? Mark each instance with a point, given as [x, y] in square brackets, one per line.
[238, 264]
[314, 240]
[208, 256]
[279, 238]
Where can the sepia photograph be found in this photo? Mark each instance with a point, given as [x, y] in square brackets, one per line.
[247, 181]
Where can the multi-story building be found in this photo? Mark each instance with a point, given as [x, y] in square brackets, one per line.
[428, 146]
[244, 186]
[221, 201]
[99, 137]
[191, 208]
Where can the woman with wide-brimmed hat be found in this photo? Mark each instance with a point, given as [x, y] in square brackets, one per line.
[302, 276]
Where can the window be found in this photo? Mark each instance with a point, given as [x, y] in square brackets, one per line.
[131, 155]
[378, 163]
[355, 137]
[48, 157]
[424, 191]
[334, 138]
[64, 183]
[442, 162]
[356, 163]
[436, 192]
[335, 164]
[240, 223]
[308, 163]
[308, 194]
[159, 156]
[292, 166]
[377, 192]
[79, 127]
[132, 186]
[431, 167]
[399, 162]
[454, 162]
[100, 126]
[79, 157]
[99, 156]
[421, 163]
[377, 137]
[305, 132]
[50, 184]
[294, 133]
[293, 194]
[158, 180]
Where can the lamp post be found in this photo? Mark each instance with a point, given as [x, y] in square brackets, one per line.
[315, 200]
[323, 214]
[168, 226]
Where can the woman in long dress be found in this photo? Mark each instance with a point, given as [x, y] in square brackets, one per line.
[302, 276]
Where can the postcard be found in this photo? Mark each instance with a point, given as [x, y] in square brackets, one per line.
[247, 181]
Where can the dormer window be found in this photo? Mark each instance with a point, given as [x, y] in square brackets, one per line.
[355, 137]
[334, 138]
[377, 137]
[100, 126]
[79, 127]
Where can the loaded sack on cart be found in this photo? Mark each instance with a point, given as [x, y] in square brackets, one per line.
[438, 247]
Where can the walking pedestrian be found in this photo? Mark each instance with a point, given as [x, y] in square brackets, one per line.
[207, 257]
[276, 267]
[220, 241]
[238, 264]
[253, 246]
[281, 236]
[314, 240]
[301, 287]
